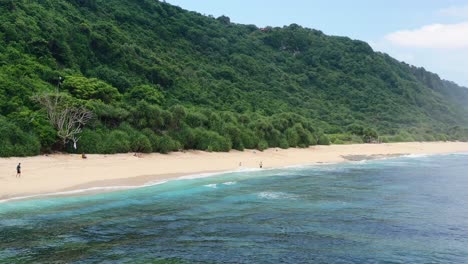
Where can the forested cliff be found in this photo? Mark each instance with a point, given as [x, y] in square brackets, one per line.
[159, 78]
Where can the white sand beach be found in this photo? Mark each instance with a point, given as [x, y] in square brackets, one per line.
[65, 172]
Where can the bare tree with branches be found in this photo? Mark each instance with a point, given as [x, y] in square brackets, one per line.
[66, 118]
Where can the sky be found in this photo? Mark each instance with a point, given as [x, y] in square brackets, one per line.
[426, 33]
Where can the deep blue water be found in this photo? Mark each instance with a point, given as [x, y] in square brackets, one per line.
[403, 210]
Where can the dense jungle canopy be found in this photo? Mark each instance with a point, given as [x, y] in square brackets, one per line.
[158, 78]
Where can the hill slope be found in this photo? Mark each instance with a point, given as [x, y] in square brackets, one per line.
[159, 78]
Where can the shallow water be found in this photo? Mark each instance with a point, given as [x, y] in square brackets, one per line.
[404, 210]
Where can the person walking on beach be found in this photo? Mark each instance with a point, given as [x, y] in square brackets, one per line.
[18, 170]
[261, 164]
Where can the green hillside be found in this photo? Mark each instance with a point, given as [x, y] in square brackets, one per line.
[160, 78]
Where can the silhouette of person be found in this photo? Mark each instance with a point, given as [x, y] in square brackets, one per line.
[18, 170]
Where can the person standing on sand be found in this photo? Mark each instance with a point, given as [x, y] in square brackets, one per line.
[261, 164]
[18, 170]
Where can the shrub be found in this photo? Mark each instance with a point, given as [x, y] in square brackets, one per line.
[144, 115]
[441, 137]
[403, 137]
[235, 135]
[355, 129]
[196, 119]
[153, 138]
[323, 140]
[339, 142]
[262, 145]
[211, 141]
[356, 139]
[249, 139]
[305, 137]
[186, 137]
[274, 138]
[150, 94]
[428, 137]
[46, 133]
[369, 135]
[292, 137]
[84, 88]
[167, 144]
[418, 137]
[283, 143]
[90, 142]
[16, 142]
[140, 143]
[116, 142]
[178, 115]
[384, 139]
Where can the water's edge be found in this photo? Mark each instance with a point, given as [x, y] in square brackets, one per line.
[90, 189]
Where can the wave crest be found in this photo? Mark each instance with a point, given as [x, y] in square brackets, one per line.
[277, 196]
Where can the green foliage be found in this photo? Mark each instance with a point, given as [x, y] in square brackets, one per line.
[345, 139]
[356, 129]
[91, 141]
[235, 136]
[384, 139]
[369, 135]
[249, 139]
[141, 144]
[166, 144]
[305, 137]
[37, 124]
[15, 142]
[150, 94]
[339, 142]
[292, 137]
[159, 78]
[323, 140]
[211, 141]
[262, 145]
[152, 137]
[84, 88]
[117, 141]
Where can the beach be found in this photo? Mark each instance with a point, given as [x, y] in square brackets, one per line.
[70, 174]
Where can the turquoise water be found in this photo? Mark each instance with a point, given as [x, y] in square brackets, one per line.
[404, 210]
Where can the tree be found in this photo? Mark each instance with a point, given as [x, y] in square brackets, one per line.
[67, 119]
[84, 88]
[150, 94]
[370, 135]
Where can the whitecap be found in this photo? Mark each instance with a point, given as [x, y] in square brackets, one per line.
[230, 183]
[277, 196]
[83, 191]
[213, 185]
[415, 156]
[200, 175]
[66, 193]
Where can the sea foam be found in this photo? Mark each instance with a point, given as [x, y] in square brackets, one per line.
[277, 196]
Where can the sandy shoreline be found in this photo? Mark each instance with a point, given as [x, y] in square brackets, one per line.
[65, 173]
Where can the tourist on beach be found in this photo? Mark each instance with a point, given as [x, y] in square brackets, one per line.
[261, 164]
[83, 156]
[18, 170]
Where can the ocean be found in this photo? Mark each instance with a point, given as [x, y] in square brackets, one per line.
[411, 209]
